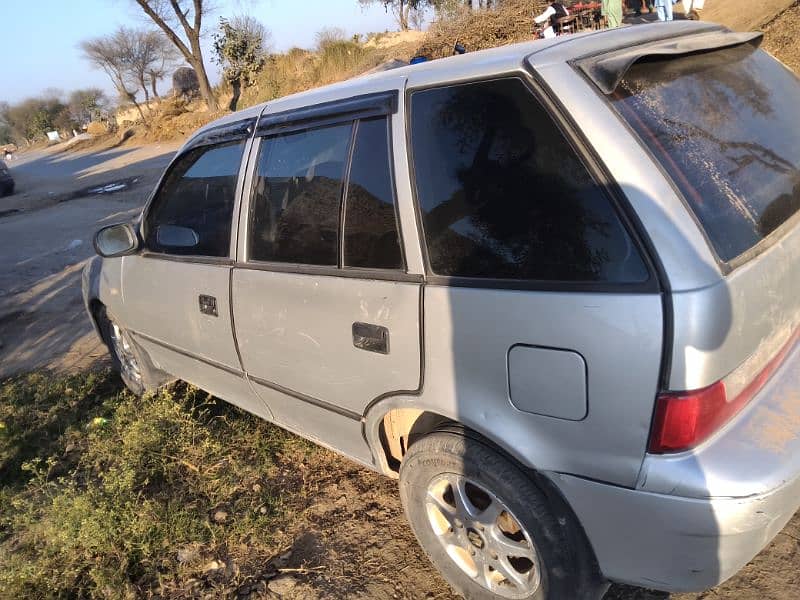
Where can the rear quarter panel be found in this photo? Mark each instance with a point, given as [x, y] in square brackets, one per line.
[469, 332]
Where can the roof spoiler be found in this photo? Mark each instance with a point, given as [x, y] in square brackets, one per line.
[607, 70]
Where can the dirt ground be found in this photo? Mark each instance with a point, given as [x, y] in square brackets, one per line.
[782, 37]
[354, 543]
[741, 15]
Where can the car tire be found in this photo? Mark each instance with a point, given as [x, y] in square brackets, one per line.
[502, 510]
[133, 365]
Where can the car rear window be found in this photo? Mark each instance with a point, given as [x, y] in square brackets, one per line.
[503, 195]
[725, 126]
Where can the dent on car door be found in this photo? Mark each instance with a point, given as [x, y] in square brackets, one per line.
[326, 317]
[176, 292]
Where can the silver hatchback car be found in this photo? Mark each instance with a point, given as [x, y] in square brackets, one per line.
[554, 288]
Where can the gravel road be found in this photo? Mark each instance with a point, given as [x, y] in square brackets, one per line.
[44, 243]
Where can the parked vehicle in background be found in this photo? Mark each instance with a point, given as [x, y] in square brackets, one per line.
[6, 181]
[551, 287]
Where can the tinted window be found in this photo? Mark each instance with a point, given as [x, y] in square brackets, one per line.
[198, 194]
[503, 195]
[370, 226]
[725, 126]
[297, 196]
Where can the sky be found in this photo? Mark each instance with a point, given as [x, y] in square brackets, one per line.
[41, 37]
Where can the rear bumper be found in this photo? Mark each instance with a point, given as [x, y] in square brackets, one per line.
[671, 543]
[697, 517]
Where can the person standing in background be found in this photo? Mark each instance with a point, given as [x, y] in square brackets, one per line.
[612, 11]
[664, 8]
[551, 14]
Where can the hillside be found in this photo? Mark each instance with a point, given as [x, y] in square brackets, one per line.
[299, 69]
[742, 15]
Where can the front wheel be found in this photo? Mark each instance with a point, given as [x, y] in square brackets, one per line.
[135, 369]
[487, 527]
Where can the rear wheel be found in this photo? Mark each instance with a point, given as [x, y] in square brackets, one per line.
[487, 527]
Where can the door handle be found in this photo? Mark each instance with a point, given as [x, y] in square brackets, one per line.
[372, 338]
[208, 305]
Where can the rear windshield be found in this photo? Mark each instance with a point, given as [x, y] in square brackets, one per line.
[726, 126]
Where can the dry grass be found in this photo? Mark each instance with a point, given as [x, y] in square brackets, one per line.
[478, 30]
[298, 70]
[176, 119]
[180, 495]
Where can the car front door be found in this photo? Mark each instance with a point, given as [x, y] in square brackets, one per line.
[176, 291]
[327, 318]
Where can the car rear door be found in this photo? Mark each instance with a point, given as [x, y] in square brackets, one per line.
[327, 317]
[176, 291]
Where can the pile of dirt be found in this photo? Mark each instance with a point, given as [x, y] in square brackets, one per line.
[96, 143]
[478, 30]
[741, 15]
[394, 38]
[176, 119]
[782, 37]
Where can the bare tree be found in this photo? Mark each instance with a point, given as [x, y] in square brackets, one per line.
[416, 18]
[147, 53]
[112, 55]
[169, 15]
[160, 68]
[329, 35]
[401, 9]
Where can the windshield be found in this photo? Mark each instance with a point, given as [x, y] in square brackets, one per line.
[725, 126]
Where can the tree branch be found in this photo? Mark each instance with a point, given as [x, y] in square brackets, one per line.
[182, 18]
[198, 15]
[173, 37]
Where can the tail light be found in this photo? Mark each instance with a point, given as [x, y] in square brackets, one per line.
[685, 419]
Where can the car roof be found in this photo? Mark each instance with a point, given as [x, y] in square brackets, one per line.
[502, 59]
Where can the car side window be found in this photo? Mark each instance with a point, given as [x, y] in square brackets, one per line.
[297, 196]
[193, 211]
[371, 238]
[504, 196]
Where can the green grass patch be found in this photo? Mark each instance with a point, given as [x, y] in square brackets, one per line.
[106, 495]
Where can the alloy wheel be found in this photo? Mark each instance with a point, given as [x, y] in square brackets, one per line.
[482, 536]
[127, 359]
